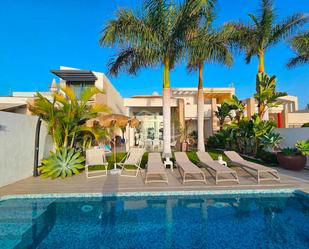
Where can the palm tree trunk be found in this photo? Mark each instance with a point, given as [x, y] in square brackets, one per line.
[261, 69]
[166, 108]
[200, 111]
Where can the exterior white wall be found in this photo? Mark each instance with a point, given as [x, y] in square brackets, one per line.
[191, 111]
[292, 135]
[147, 102]
[113, 97]
[298, 118]
[17, 137]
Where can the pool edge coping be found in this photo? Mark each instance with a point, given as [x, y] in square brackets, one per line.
[158, 193]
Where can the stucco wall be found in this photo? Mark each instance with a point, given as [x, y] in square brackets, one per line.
[298, 118]
[17, 136]
[292, 135]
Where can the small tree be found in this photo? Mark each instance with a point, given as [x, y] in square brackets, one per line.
[222, 113]
[65, 116]
[266, 93]
[238, 106]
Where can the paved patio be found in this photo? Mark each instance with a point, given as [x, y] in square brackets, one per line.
[116, 183]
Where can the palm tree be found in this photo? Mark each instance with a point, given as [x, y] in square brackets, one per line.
[156, 37]
[206, 46]
[264, 32]
[66, 115]
[222, 113]
[300, 44]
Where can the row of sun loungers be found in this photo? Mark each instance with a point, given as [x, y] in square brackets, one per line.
[155, 169]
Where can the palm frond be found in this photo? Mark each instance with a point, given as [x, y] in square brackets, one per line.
[126, 28]
[131, 59]
[300, 45]
[287, 27]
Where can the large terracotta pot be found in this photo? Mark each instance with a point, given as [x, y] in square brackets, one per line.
[295, 162]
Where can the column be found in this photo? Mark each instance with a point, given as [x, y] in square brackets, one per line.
[250, 107]
[279, 118]
[214, 119]
[285, 121]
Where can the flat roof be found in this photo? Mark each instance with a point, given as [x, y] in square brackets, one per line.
[10, 106]
[75, 75]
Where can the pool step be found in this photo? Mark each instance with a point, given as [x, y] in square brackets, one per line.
[23, 226]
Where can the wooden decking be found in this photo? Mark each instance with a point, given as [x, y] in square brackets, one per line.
[115, 183]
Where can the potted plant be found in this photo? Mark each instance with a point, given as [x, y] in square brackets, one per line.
[294, 158]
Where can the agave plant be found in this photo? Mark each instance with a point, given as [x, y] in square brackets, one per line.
[271, 140]
[62, 163]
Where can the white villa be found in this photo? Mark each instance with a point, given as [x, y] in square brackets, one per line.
[148, 108]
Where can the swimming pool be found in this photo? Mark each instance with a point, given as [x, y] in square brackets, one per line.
[184, 221]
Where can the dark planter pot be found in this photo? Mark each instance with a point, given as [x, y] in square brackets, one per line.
[295, 162]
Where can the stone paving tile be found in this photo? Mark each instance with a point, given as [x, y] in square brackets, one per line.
[115, 183]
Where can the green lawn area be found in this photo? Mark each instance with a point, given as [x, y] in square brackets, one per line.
[191, 154]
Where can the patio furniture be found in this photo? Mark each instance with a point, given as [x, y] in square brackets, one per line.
[259, 169]
[173, 144]
[132, 159]
[155, 167]
[95, 157]
[216, 169]
[186, 167]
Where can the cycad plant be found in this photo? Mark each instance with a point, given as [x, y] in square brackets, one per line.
[300, 45]
[155, 37]
[207, 45]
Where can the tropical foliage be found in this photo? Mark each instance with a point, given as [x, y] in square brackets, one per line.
[303, 147]
[222, 113]
[62, 163]
[248, 136]
[266, 93]
[300, 45]
[264, 31]
[155, 37]
[65, 116]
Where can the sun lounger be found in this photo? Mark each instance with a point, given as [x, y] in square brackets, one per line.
[186, 167]
[95, 157]
[216, 169]
[155, 167]
[259, 169]
[132, 159]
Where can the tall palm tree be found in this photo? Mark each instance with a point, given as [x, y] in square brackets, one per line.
[300, 44]
[206, 46]
[156, 37]
[264, 32]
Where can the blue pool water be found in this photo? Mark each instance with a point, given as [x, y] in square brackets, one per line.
[228, 221]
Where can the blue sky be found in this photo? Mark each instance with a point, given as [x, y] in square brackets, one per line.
[39, 35]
